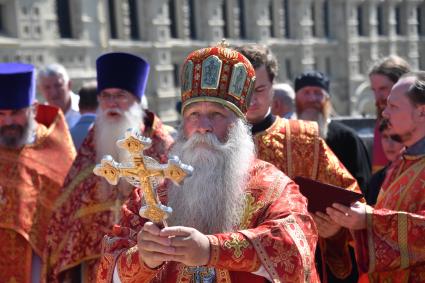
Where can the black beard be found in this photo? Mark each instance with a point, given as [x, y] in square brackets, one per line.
[11, 141]
[396, 138]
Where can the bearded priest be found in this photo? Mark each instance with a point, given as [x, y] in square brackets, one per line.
[236, 219]
[89, 206]
[36, 153]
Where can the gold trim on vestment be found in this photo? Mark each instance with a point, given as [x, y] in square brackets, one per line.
[371, 244]
[420, 166]
[262, 254]
[316, 155]
[288, 149]
[84, 173]
[296, 233]
[402, 239]
[416, 168]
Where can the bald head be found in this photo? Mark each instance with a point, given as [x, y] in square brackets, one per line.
[283, 100]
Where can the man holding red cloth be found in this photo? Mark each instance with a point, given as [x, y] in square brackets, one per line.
[36, 152]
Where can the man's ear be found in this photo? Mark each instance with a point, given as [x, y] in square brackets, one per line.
[421, 110]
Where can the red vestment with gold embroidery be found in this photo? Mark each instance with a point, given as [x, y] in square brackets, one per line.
[379, 160]
[81, 219]
[295, 147]
[392, 248]
[276, 233]
[30, 181]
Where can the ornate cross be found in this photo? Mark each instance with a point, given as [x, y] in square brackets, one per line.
[237, 245]
[144, 172]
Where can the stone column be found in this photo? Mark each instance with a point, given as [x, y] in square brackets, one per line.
[304, 33]
[210, 21]
[373, 29]
[161, 89]
[412, 32]
[258, 19]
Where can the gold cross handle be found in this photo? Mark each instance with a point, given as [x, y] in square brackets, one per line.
[144, 172]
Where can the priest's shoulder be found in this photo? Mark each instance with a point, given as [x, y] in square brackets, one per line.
[295, 127]
[265, 174]
[307, 128]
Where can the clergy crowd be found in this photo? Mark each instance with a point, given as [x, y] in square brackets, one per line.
[240, 216]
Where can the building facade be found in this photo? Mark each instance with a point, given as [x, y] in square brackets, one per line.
[339, 37]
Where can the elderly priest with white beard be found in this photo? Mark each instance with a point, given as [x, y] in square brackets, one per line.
[88, 206]
[236, 219]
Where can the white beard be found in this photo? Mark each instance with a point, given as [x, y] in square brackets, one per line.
[212, 200]
[108, 131]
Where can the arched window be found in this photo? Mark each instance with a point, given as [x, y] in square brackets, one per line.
[63, 11]
[287, 20]
[113, 31]
[134, 19]
[380, 19]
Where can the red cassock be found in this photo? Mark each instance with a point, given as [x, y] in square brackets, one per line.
[30, 181]
[81, 218]
[379, 160]
[392, 248]
[295, 147]
[276, 233]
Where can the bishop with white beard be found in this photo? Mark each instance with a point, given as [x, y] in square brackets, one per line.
[236, 219]
[89, 206]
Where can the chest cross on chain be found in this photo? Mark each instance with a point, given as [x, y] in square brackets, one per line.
[144, 172]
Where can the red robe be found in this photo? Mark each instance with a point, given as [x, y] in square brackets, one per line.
[379, 160]
[392, 248]
[276, 233]
[295, 147]
[30, 181]
[81, 220]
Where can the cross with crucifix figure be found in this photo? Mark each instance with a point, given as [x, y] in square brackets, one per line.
[144, 172]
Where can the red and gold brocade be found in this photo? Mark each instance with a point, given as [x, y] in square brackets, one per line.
[392, 248]
[276, 233]
[81, 218]
[30, 181]
[295, 147]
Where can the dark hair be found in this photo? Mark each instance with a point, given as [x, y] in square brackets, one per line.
[383, 125]
[416, 92]
[260, 55]
[393, 67]
[88, 96]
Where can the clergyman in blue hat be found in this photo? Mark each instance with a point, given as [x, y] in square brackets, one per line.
[36, 152]
[90, 206]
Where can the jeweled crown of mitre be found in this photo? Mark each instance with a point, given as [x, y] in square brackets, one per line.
[218, 74]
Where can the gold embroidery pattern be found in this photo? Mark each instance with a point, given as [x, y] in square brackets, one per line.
[237, 244]
[276, 189]
[402, 239]
[223, 276]
[296, 233]
[262, 254]
[316, 159]
[250, 208]
[371, 244]
[288, 149]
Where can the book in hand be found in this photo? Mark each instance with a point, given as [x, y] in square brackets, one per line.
[321, 195]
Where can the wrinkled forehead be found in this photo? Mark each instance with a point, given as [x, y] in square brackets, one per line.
[207, 106]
